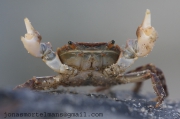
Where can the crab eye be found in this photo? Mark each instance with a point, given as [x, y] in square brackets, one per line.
[113, 42]
[70, 42]
[110, 44]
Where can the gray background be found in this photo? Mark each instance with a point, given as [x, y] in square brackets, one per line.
[90, 21]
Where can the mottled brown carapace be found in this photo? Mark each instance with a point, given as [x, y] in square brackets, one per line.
[94, 56]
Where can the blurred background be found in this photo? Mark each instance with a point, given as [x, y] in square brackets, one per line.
[59, 21]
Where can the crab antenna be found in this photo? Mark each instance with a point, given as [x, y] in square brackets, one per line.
[147, 19]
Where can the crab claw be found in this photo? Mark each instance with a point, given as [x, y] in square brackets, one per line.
[146, 36]
[32, 40]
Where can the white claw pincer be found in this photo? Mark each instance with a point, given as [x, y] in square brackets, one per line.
[146, 36]
[31, 40]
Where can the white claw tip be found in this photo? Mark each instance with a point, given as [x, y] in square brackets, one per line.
[29, 27]
[26, 20]
[147, 19]
[148, 11]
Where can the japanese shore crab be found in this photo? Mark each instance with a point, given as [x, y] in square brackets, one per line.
[98, 64]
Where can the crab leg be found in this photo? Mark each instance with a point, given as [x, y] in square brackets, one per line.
[153, 69]
[96, 79]
[142, 46]
[40, 83]
[32, 43]
[82, 79]
[144, 75]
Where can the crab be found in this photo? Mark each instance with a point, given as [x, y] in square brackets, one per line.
[101, 64]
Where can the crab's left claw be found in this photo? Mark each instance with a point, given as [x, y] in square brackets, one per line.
[32, 40]
[146, 35]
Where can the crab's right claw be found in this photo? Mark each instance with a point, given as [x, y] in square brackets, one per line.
[32, 40]
[146, 35]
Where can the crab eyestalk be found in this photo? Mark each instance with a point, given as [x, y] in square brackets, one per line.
[146, 35]
[32, 40]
